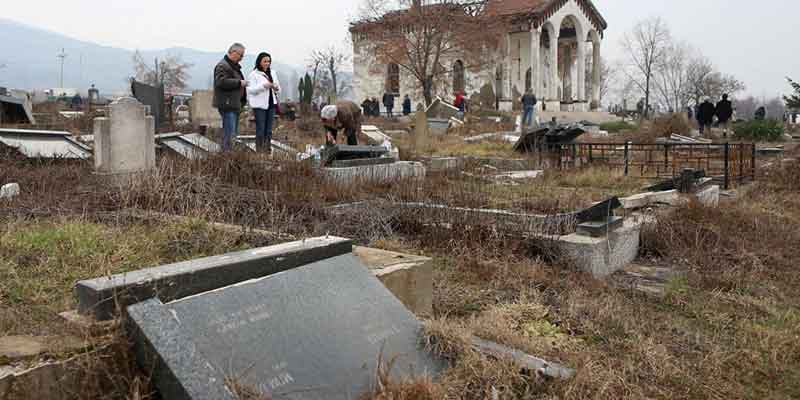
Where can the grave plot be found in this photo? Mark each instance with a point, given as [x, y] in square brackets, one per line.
[44, 144]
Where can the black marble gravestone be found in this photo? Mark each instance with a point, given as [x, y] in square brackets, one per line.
[313, 332]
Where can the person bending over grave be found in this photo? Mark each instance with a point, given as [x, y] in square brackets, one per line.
[344, 115]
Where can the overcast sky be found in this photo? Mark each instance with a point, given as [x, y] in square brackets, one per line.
[757, 41]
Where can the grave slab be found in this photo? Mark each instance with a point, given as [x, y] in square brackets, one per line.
[314, 332]
[100, 297]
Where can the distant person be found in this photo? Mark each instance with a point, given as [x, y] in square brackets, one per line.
[761, 113]
[388, 102]
[344, 115]
[529, 108]
[230, 92]
[366, 107]
[262, 95]
[724, 114]
[376, 107]
[406, 105]
[705, 115]
[76, 102]
[461, 105]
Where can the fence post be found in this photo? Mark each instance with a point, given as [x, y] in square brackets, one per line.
[560, 155]
[753, 162]
[727, 166]
[591, 156]
[741, 163]
[627, 154]
[666, 157]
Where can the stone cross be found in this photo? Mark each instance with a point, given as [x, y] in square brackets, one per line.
[125, 141]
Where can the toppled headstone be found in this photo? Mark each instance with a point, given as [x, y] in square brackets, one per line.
[440, 109]
[344, 152]
[375, 135]
[9, 191]
[315, 332]
[544, 137]
[44, 144]
[192, 146]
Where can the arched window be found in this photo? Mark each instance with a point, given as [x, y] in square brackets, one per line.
[528, 79]
[393, 79]
[459, 81]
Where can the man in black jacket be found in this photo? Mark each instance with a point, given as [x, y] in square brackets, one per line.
[724, 114]
[705, 115]
[388, 102]
[230, 92]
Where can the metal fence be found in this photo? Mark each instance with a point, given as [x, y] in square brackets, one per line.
[727, 162]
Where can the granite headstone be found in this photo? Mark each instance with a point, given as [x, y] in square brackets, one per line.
[313, 332]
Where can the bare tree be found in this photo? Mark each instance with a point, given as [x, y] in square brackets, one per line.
[421, 36]
[171, 72]
[646, 46]
[672, 80]
[333, 60]
[706, 81]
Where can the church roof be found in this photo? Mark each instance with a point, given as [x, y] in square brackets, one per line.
[541, 10]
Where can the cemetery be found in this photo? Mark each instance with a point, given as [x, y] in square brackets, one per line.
[454, 252]
[154, 263]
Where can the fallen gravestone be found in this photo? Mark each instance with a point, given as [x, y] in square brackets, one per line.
[343, 153]
[314, 332]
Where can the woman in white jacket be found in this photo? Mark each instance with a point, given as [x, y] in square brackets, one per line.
[262, 95]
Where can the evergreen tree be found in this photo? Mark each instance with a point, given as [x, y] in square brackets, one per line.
[301, 86]
[793, 101]
[308, 91]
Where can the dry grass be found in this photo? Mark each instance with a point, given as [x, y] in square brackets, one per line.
[727, 329]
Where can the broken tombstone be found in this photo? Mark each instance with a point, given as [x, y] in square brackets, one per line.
[191, 146]
[439, 109]
[44, 144]
[342, 153]
[317, 331]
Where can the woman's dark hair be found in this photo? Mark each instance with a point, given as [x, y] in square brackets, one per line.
[259, 58]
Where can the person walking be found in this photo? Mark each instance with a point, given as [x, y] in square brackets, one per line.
[262, 95]
[406, 105]
[230, 92]
[705, 115]
[388, 102]
[344, 115]
[529, 106]
[724, 114]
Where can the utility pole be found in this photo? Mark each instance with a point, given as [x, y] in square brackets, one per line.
[62, 56]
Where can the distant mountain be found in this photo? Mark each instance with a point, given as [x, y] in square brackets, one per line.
[30, 58]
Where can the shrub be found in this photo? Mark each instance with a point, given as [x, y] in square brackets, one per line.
[769, 130]
[617, 126]
[666, 125]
